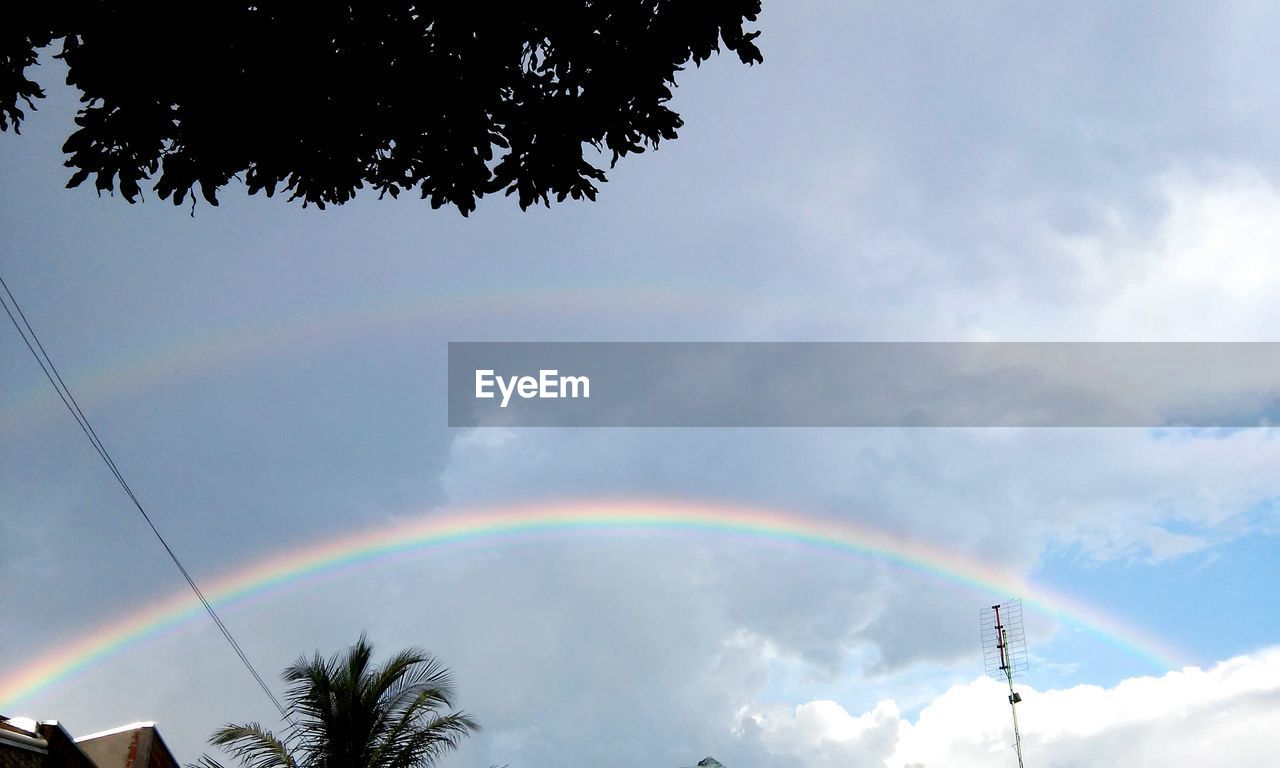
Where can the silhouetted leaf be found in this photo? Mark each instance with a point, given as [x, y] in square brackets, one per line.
[458, 100]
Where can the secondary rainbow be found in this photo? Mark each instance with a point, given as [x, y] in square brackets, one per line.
[443, 528]
[226, 348]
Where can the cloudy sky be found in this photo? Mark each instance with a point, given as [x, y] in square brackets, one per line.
[268, 377]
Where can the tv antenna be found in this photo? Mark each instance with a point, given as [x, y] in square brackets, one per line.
[1004, 653]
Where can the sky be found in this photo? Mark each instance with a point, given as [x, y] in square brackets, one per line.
[271, 378]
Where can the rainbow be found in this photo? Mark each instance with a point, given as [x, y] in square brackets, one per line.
[444, 528]
[224, 348]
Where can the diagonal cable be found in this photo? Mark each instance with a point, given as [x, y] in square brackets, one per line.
[32, 341]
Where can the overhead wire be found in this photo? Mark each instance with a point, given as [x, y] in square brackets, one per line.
[51, 373]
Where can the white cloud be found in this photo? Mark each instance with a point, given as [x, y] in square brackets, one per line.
[1115, 494]
[1017, 496]
[822, 733]
[1186, 252]
[1208, 271]
[1224, 715]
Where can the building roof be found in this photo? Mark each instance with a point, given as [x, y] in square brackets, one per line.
[119, 729]
[19, 736]
[136, 745]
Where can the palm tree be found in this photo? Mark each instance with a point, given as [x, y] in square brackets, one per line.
[346, 713]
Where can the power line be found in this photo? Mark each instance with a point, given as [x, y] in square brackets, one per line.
[29, 336]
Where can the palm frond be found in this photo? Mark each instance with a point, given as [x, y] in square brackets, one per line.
[253, 746]
[428, 741]
[348, 713]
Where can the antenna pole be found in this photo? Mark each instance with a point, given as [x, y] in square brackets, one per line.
[1002, 643]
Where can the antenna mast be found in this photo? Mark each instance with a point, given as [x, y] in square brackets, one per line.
[1004, 652]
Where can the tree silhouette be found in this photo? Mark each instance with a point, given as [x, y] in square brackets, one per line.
[347, 713]
[321, 98]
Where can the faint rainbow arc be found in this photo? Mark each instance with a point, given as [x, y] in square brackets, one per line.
[440, 529]
[199, 354]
